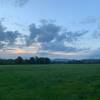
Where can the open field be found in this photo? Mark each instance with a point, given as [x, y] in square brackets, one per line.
[50, 82]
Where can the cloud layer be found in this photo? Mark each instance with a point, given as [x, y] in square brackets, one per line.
[53, 37]
[47, 39]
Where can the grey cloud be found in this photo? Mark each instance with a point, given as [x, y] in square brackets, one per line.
[11, 36]
[7, 37]
[18, 3]
[89, 20]
[74, 36]
[21, 3]
[96, 32]
[45, 32]
[34, 31]
[60, 46]
[48, 31]
[56, 46]
[52, 36]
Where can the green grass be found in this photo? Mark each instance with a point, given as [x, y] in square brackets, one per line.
[50, 82]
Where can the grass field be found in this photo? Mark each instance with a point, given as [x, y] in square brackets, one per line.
[50, 82]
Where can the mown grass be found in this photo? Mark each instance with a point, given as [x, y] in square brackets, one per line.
[50, 82]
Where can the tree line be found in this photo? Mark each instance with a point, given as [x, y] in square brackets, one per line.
[83, 61]
[31, 60]
[45, 60]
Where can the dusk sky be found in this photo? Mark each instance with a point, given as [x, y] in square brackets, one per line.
[50, 28]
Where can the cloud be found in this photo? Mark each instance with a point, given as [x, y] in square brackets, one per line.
[77, 54]
[7, 37]
[45, 32]
[13, 52]
[66, 54]
[18, 3]
[74, 36]
[96, 32]
[52, 36]
[93, 25]
[90, 20]
[21, 3]
[47, 38]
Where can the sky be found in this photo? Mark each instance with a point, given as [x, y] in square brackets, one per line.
[68, 29]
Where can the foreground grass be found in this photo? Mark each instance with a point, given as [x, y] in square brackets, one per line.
[50, 82]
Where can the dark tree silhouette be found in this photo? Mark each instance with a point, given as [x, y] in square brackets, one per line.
[32, 60]
[19, 60]
[44, 60]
